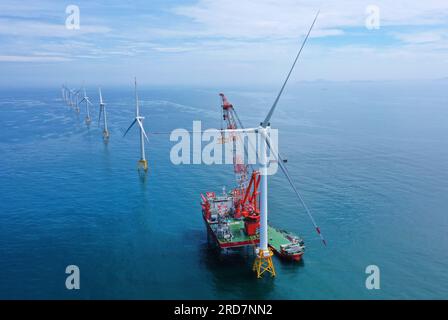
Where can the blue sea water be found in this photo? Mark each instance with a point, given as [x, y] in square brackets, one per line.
[371, 160]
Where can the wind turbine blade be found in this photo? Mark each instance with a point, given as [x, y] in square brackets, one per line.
[299, 196]
[143, 130]
[101, 97]
[133, 122]
[137, 108]
[83, 99]
[271, 111]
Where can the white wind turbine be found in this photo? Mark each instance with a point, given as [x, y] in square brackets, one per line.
[72, 97]
[103, 112]
[142, 163]
[263, 261]
[64, 97]
[75, 102]
[68, 96]
[87, 101]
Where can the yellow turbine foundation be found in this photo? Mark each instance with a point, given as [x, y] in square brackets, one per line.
[143, 164]
[263, 263]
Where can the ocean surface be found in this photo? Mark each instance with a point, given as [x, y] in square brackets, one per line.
[370, 158]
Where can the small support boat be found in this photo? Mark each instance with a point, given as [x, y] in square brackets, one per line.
[285, 244]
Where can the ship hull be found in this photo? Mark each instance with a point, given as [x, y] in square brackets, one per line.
[277, 239]
[289, 257]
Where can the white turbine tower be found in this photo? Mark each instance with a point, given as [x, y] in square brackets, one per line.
[75, 102]
[69, 97]
[87, 101]
[73, 95]
[63, 93]
[142, 163]
[103, 112]
[66, 94]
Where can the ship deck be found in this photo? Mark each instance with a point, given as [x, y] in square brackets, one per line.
[276, 238]
[240, 238]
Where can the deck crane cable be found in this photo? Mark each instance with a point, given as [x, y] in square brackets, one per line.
[240, 167]
[249, 142]
[209, 130]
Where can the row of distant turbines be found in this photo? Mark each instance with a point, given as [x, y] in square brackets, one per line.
[76, 98]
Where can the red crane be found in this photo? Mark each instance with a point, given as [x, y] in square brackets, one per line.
[239, 167]
[245, 196]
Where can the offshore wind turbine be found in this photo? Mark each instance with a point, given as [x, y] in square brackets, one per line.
[103, 112]
[87, 101]
[72, 97]
[142, 163]
[263, 261]
[69, 96]
[66, 94]
[63, 93]
[75, 100]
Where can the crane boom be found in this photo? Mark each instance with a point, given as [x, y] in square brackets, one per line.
[239, 167]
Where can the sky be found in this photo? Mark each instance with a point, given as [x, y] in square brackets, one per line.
[221, 42]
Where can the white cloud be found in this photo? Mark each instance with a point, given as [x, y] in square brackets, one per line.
[31, 58]
[172, 49]
[290, 18]
[422, 37]
[241, 40]
[27, 28]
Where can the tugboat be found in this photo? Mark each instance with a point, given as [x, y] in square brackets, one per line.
[285, 244]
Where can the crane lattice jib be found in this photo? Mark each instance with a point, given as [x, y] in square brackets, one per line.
[240, 168]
